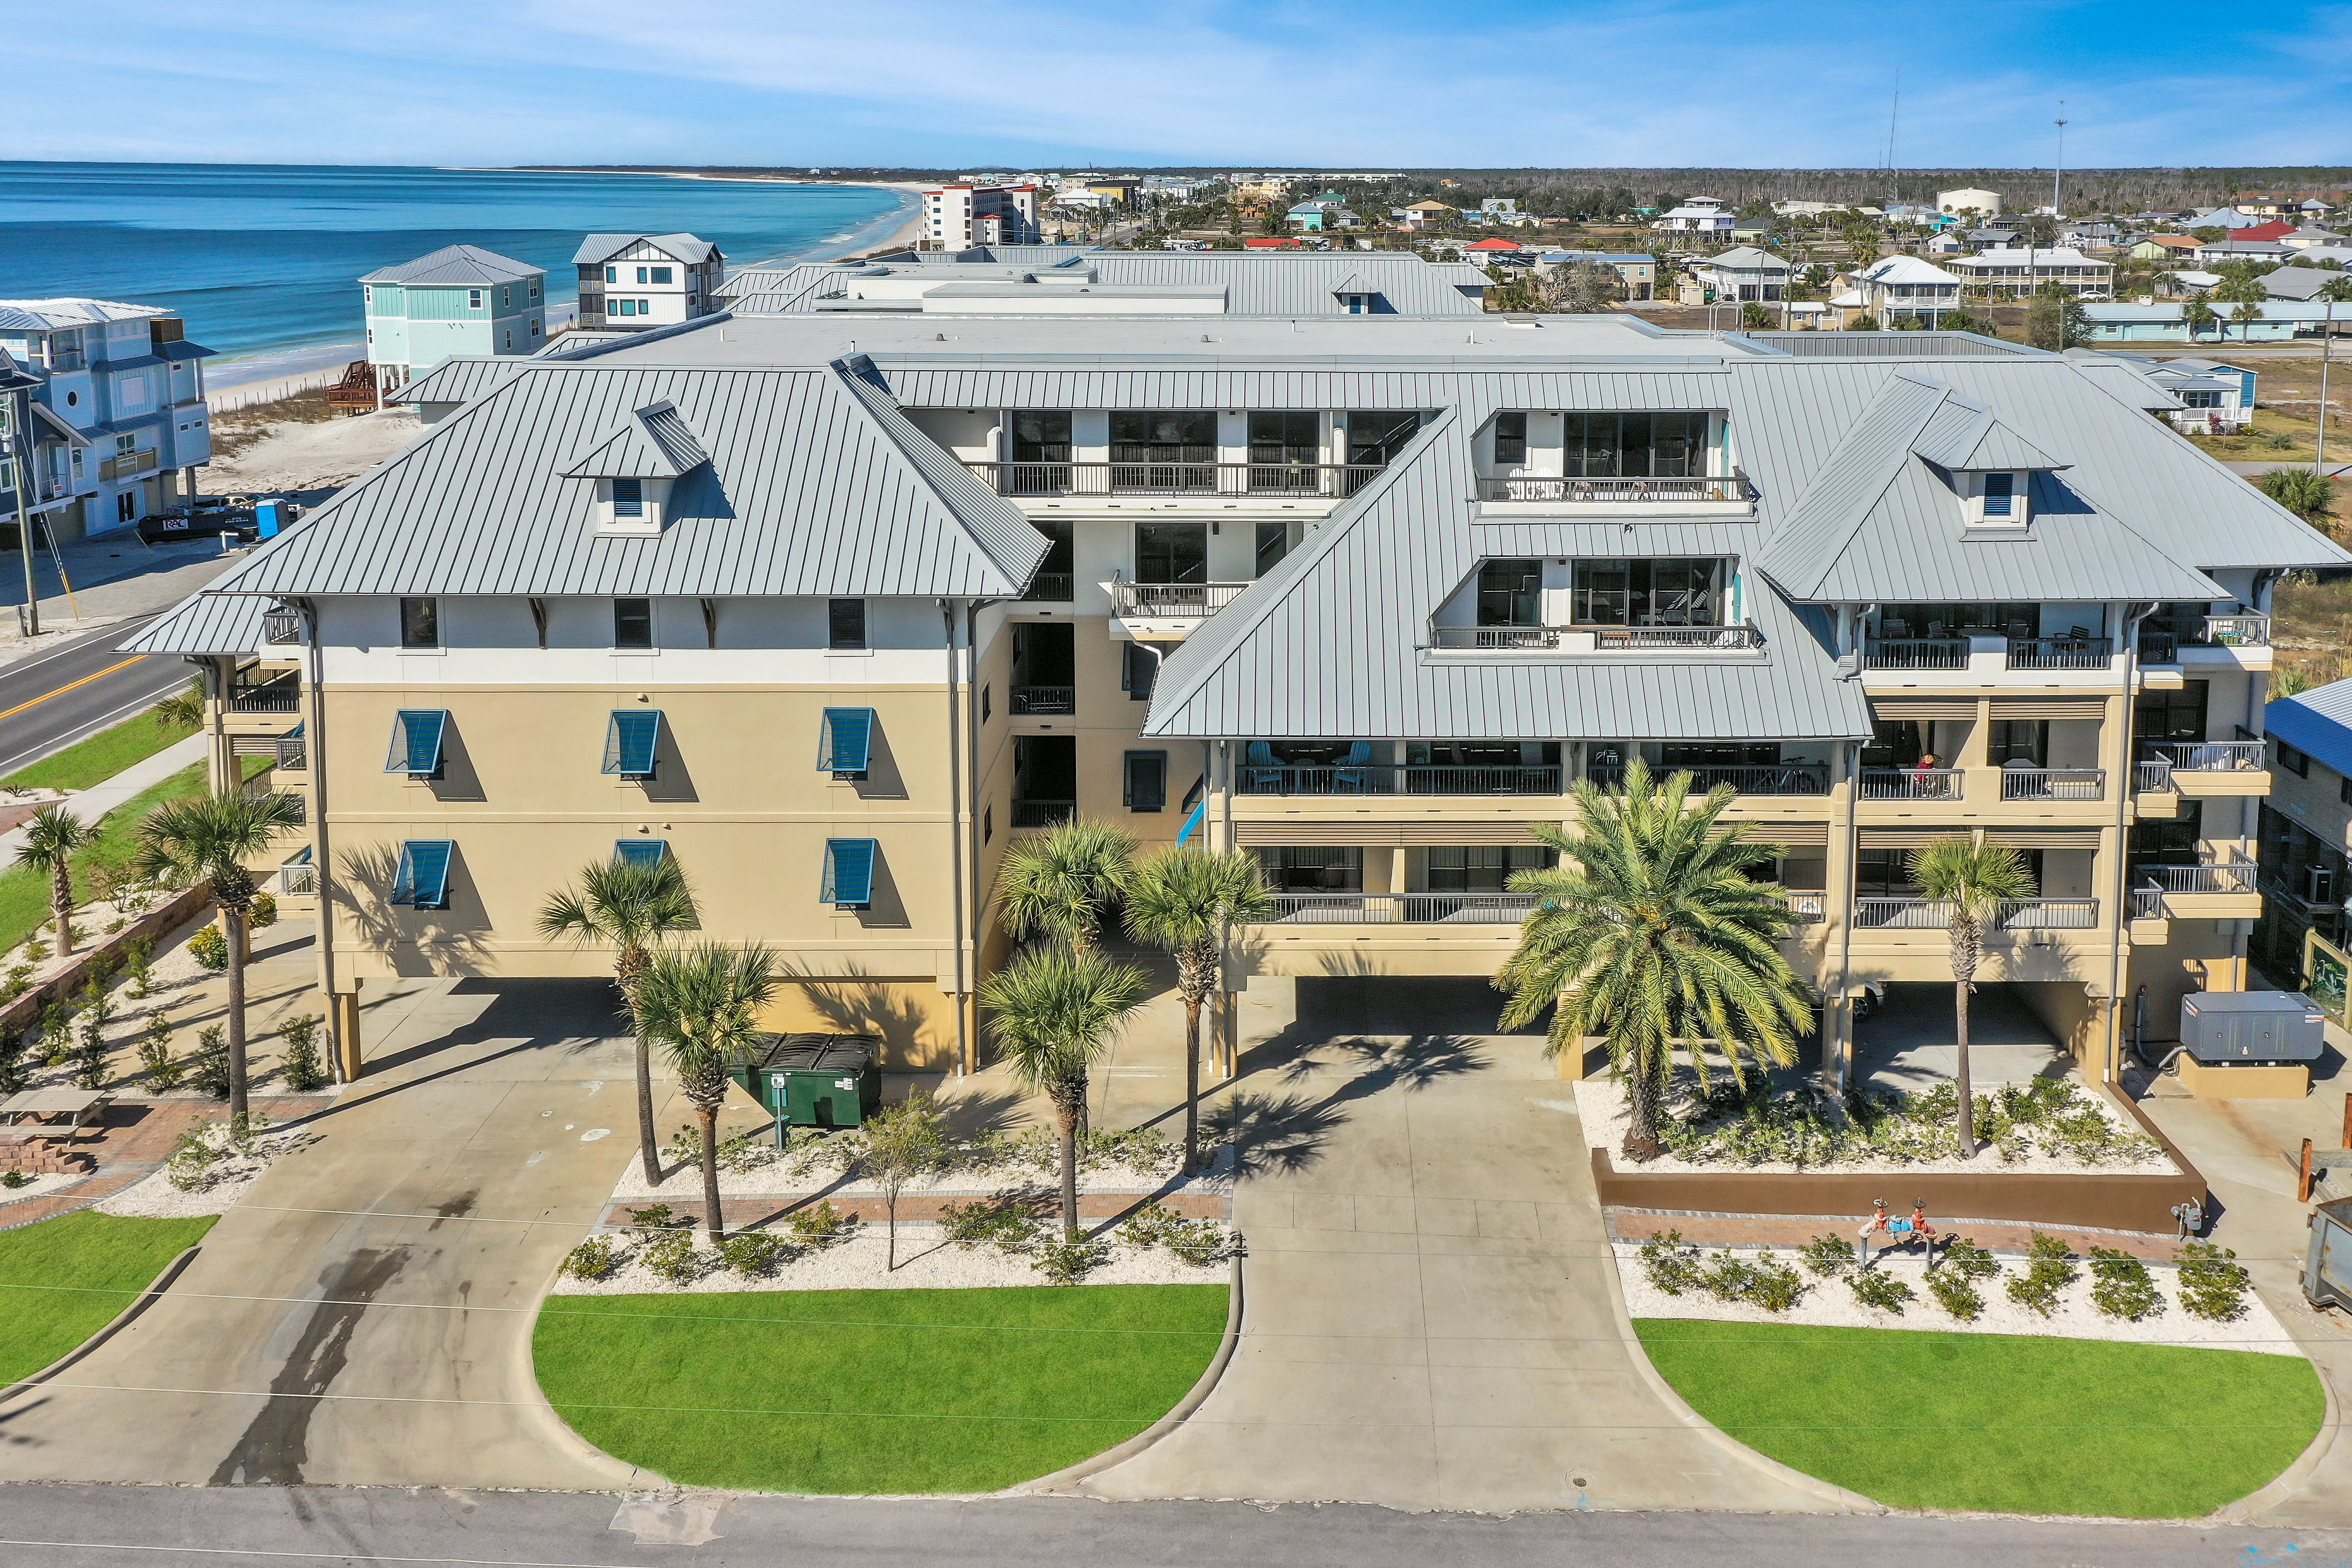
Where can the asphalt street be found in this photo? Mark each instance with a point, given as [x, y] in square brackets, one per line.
[88, 1526]
[48, 702]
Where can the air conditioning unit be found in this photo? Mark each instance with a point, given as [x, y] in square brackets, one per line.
[2319, 885]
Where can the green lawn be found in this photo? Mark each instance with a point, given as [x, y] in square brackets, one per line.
[88, 1268]
[101, 757]
[873, 1390]
[24, 890]
[1996, 1422]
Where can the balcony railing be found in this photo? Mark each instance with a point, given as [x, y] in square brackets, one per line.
[1935, 914]
[1053, 587]
[2053, 784]
[1605, 639]
[2222, 876]
[2152, 775]
[2158, 646]
[1911, 783]
[2205, 631]
[1917, 653]
[1609, 638]
[2207, 756]
[283, 695]
[1388, 778]
[127, 464]
[301, 879]
[281, 624]
[1761, 778]
[1401, 908]
[1496, 636]
[1305, 480]
[1545, 488]
[301, 816]
[1810, 908]
[1173, 601]
[293, 754]
[1043, 698]
[1042, 812]
[2147, 902]
[2060, 653]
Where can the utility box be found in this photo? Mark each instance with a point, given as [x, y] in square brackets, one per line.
[2327, 1267]
[816, 1080]
[2251, 1027]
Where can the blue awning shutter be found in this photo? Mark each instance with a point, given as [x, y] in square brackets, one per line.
[417, 741]
[631, 741]
[423, 878]
[641, 851]
[848, 872]
[847, 740]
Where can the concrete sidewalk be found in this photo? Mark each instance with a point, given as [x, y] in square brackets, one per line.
[95, 802]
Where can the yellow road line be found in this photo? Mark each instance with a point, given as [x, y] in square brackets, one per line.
[70, 685]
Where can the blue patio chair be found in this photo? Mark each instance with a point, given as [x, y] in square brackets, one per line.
[1354, 776]
[1264, 774]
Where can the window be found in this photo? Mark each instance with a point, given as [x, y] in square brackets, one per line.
[1147, 781]
[1041, 435]
[1284, 438]
[1634, 446]
[640, 851]
[1667, 593]
[2202, 399]
[1483, 869]
[632, 740]
[844, 624]
[506, 295]
[986, 694]
[662, 275]
[532, 290]
[126, 507]
[2179, 715]
[2344, 789]
[510, 339]
[2000, 494]
[1510, 439]
[2023, 741]
[628, 497]
[612, 275]
[534, 326]
[623, 307]
[420, 623]
[2292, 760]
[1172, 552]
[473, 299]
[416, 742]
[633, 622]
[1163, 437]
[1374, 438]
[641, 274]
[1273, 544]
[848, 873]
[1139, 667]
[422, 879]
[125, 444]
[988, 824]
[844, 742]
[1313, 871]
[1511, 594]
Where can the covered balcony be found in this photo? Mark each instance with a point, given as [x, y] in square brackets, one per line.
[1759, 768]
[2187, 635]
[1612, 462]
[1988, 639]
[2196, 769]
[1606, 606]
[1277, 456]
[1913, 913]
[1349, 768]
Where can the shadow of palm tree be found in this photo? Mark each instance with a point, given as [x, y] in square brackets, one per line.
[1411, 1064]
[1274, 1135]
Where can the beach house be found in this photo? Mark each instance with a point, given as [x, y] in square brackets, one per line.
[116, 426]
[458, 299]
[632, 282]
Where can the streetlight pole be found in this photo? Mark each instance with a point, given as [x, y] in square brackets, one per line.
[2058, 170]
[20, 406]
[2326, 336]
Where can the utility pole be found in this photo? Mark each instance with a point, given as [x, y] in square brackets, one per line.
[2327, 342]
[2058, 170]
[20, 448]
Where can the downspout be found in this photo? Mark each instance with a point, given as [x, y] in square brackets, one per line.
[2122, 923]
[1845, 921]
[955, 836]
[971, 766]
[322, 867]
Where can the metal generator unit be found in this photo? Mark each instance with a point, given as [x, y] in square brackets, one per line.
[2228, 1028]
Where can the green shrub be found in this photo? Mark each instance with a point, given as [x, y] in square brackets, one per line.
[164, 1070]
[1010, 1226]
[303, 1070]
[2212, 1284]
[97, 1013]
[138, 958]
[13, 1076]
[1068, 1262]
[2299, 490]
[57, 1035]
[1764, 1282]
[16, 982]
[1670, 1266]
[819, 1226]
[2049, 1270]
[651, 1214]
[1199, 1242]
[1827, 1256]
[210, 949]
[198, 1150]
[35, 949]
[208, 1069]
[2120, 1286]
[15, 1179]
[750, 1252]
[1149, 1226]
[670, 1256]
[592, 1260]
[1968, 1261]
[1956, 1293]
[264, 913]
[1881, 1291]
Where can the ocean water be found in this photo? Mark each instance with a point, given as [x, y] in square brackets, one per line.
[264, 260]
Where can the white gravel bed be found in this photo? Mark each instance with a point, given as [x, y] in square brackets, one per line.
[227, 1180]
[1601, 1104]
[796, 1171]
[42, 1185]
[1831, 1304]
[925, 1262]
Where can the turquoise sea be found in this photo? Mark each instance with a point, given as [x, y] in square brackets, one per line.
[263, 259]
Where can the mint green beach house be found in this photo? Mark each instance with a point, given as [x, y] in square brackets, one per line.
[460, 299]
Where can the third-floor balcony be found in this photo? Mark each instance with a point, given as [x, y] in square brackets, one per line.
[1764, 778]
[2201, 639]
[1988, 654]
[1205, 477]
[1708, 490]
[1581, 640]
[1260, 774]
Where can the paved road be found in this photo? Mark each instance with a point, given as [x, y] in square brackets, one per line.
[364, 1316]
[48, 702]
[106, 1527]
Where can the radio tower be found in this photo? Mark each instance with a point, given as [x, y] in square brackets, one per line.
[2058, 173]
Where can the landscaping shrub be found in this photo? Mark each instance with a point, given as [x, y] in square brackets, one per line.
[163, 1069]
[264, 913]
[1007, 1225]
[1806, 1127]
[2049, 1270]
[1827, 1256]
[14, 1179]
[35, 949]
[1956, 1293]
[2299, 490]
[2212, 1284]
[209, 1068]
[1882, 1291]
[57, 1035]
[651, 1214]
[744, 1151]
[1199, 1242]
[210, 949]
[1669, 1265]
[1151, 1224]
[16, 982]
[670, 1256]
[2120, 1286]
[820, 1227]
[97, 1013]
[1068, 1262]
[1766, 1282]
[750, 1252]
[199, 1148]
[14, 1044]
[1968, 1261]
[592, 1260]
[303, 1070]
[138, 960]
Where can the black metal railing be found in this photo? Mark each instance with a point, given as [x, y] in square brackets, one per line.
[1311, 480]
[281, 695]
[1042, 812]
[1389, 778]
[1917, 653]
[1710, 638]
[1053, 587]
[1043, 698]
[1755, 778]
[2152, 775]
[2060, 653]
[293, 754]
[1173, 601]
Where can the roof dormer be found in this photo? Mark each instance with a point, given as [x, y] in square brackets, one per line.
[1990, 466]
[636, 466]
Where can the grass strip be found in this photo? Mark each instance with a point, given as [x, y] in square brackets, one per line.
[703, 1390]
[98, 758]
[24, 889]
[111, 1258]
[2003, 1423]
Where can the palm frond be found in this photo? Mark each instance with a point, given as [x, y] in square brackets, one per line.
[701, 1007]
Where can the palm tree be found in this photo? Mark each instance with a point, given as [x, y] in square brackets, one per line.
[1055, 1013]
[701, 1004]
[1186, 900]
[1974, 881]
[184, 710]
[52, 839]
[2246, 313]
[1056, 884]
[212, 837]
[1651, 934]
[629, 907]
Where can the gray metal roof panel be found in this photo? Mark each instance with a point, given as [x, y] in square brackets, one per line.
[205, 622]
[459, 380]
[684, 247]
[652, 442]
[2318, 721]
[459, 263]
[1965, 437]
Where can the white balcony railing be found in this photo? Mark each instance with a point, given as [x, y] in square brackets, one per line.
[2207, 756]
[1173, 601]
[1547, 488]
[2053, 784]
[1935, 914]
[2222, 876]
[1393, 909]
[1912, 784]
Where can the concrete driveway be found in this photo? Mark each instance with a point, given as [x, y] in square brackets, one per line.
[365, 1315]
[1432, 1317]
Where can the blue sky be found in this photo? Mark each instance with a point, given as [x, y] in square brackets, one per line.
[1368, 83]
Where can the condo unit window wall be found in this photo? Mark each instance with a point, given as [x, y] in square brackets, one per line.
[846, 625]
[1633, 446]
[2015, 620]
[1510, 439]
[1375, 437]
[1660, 593]
[1483, 869]
[2180, 714]
[420, 623]
[2025, 741]
[1172, 552]
[1313, 871]
[633, 622]
[2175, 841]
[1045, 668]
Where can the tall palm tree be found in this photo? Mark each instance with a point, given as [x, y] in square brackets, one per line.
[701, 1004]
[212, 837]
[1057, 884]
[1053, 1014]
[1651, 934]
[631, 908]
[52, 839]
[1973, 881]
[1186, 900]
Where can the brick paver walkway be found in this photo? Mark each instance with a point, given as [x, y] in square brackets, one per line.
[139, 1136]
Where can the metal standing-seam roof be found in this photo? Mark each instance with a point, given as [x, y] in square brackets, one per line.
[600, 247]
[1288, 283]
[465, 264]
[205, 622]
[2317, 721]
[653, 443]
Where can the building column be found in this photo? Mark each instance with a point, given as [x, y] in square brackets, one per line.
[349, 1061]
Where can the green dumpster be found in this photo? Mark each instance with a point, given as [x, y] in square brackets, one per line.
[816, 1080]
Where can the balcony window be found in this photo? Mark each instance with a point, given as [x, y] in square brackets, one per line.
[1056, 578]
[1959, 620]
[420, 623]
[416, 742]
[1163, 436]
[1172, 552]
[1635, 446]
[848, 873]
[1896, 743]
[1884, 874]
[422, 879]
[632, 740]
[1147, 781]
[1041, 435]
[2175, 715]
[845, 743]
[844, 625]
[1313, 871]
[633, 622]
[645, 852]
[2025, 741]
[1511, 594]
[2169, 842]
[1483, 869]
[1665, 593]
[1376, 436]
[1510, 439]
[1285, 437]
[1273, 544]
